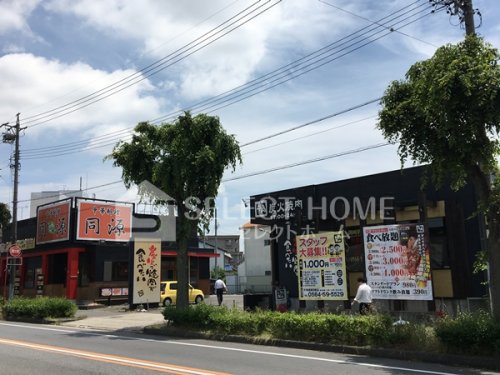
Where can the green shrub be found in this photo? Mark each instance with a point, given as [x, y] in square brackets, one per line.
[198, 316]
[413, 336]
[471, 334]
[477, 333]
[218, 319]
[38, 308]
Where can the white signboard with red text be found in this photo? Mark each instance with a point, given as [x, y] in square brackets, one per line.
[397, 262]
[147, 268]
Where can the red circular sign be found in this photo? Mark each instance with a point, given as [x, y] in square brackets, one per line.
[15, 251]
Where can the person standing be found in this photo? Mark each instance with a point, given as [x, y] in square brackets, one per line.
[363, 296]
[220, 287]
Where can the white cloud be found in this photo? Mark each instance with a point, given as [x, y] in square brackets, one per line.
[46, 76]
[14, 14]
[29, 82]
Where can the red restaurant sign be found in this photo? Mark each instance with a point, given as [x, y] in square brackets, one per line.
[104, 221]
[53, 222]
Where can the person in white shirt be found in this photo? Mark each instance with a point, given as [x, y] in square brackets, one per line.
[363, 296]
[219, 287]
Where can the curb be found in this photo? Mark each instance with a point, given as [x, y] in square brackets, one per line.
[454, 360]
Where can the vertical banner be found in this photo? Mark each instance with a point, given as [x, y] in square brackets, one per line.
[322, 274]
[398, 262]
[146, 272]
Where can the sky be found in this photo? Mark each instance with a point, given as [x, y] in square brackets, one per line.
[296, 81]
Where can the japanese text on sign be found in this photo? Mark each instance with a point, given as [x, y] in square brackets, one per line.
[321, 271]
[398, 262]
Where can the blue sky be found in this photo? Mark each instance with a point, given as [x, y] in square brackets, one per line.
[56, 52]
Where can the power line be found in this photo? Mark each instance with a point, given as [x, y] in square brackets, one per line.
[361, 149]
[375, 22]
[309, 135]
[47, 153]
[265, 78]
[311, 122]
[205, 40]
[146, 52]
[252, 174]
[303, 65]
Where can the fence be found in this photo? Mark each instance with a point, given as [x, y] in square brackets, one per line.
[248, 284]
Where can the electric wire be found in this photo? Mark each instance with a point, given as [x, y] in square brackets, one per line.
[306, 61]
[315, 160]
[247, 175]
[309, 135]
[376, 22]
[144, 53]
[263, 77]
[145, 73]
[48, 153]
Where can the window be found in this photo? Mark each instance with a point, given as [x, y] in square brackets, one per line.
[83, 269]
[168, 268]
[31, 264]
[438, 244]
[119, 271]
[193, 270]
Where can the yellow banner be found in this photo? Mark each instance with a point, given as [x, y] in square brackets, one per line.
[322, 272]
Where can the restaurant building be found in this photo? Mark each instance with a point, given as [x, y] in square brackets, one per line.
[451, 233]
[83, 249]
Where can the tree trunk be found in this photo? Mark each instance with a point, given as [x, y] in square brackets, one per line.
[494, 264]
[483, 189]
[183, 234]
[182, 273]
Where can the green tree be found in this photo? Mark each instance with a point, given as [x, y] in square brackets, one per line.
[5, 215]
[186, 160]
[446, 113]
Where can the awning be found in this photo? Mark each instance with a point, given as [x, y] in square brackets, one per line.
[173, 253]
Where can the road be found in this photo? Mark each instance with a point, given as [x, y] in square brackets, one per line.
[41, 349]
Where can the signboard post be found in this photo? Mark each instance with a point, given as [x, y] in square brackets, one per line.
[14, 259]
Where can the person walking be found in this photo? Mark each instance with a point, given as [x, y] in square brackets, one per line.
[220, 287]
[363, 296]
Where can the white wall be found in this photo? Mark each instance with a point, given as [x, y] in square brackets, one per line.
[255, 272]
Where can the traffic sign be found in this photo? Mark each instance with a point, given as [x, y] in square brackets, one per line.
[15, 251]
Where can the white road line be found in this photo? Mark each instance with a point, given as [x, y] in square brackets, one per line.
[340, 361]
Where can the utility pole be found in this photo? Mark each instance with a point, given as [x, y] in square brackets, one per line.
[462, 9]
[13, 134]
[470, 28]
[16, 181]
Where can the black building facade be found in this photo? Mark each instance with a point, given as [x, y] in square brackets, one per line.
[455, 232]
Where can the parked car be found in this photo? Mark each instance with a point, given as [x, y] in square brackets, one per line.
[169, 293]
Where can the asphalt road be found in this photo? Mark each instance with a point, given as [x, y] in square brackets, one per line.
[56, 350]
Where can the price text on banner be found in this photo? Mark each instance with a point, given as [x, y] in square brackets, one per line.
[321, 259]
